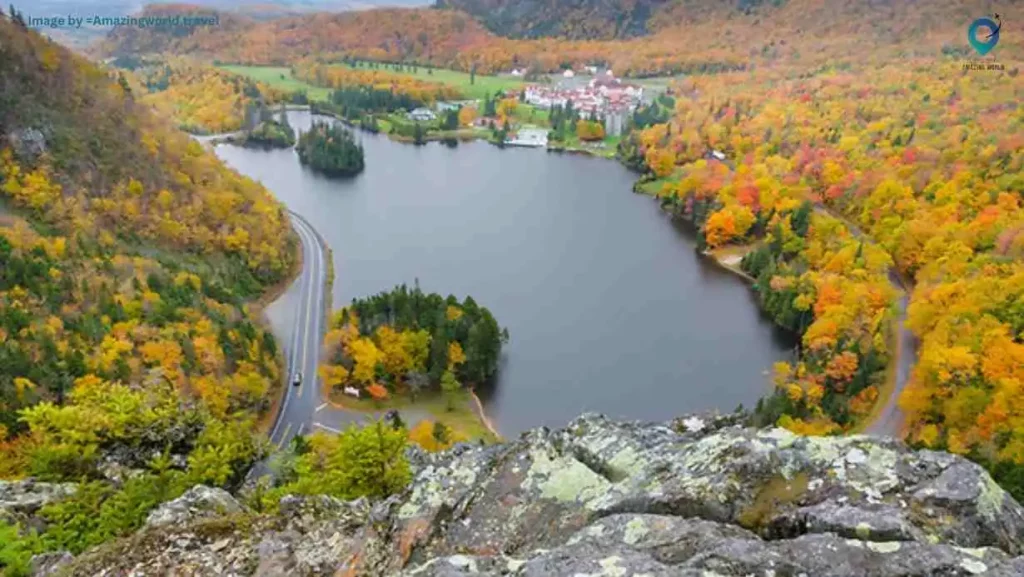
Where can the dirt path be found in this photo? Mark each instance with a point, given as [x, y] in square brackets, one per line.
[888, 420]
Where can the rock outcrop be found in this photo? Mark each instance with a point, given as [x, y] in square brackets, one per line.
[197, 503]
[699, 496]
[26, 497]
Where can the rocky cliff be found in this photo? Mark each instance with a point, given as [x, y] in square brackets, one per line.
[698, 496]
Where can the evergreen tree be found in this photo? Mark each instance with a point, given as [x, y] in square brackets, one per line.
[331, 149]
[17, 17]
[124, 84]
[440, 433]
[451, 120]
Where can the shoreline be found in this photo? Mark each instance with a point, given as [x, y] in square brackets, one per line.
[460, 135]
[724, 257]
[482, 415]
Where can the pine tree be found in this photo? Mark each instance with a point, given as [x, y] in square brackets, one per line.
[124, 84]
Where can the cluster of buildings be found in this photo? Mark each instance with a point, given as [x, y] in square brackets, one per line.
[604, 97]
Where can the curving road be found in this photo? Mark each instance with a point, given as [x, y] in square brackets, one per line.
[889, 421]
[303, 408]
[300, 402]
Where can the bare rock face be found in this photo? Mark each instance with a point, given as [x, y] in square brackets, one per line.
[698, 496]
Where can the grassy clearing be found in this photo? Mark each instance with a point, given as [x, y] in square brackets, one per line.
[279, 77]
[653, 187]
[729, 257]
[480, 87]
[605, 150]
[462, 419]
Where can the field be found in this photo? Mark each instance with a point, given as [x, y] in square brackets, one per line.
[279, 77]
[462, 419]
[481, 86]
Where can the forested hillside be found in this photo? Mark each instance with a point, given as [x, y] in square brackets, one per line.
[691, 36]
[128, 257]
[578, 19]
[198, 96]
[926, 159]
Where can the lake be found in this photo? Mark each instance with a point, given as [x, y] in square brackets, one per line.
[608, 305]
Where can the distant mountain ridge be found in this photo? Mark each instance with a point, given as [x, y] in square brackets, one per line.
[577, 19]
[675, 36]
[619, 19]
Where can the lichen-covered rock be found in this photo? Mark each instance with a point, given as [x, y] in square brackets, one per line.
[197, 503]
[27, 497]
[27, 144]
[698, 496]
[49, 564]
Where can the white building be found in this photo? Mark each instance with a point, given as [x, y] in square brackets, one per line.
[422, 114]
[517, 72]
[614, 121]
[532, 137]
[568, 74]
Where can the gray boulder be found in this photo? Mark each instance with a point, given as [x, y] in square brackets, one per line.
[26, 497]
[197, 503]
[27, 143]
[48, 564]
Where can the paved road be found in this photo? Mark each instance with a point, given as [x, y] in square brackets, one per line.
[300, 402]
[213, 138]
[303, 409]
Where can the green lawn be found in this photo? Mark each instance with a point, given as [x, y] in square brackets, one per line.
[481, 86]
[462, 418]
[279, 77]
[653, 187]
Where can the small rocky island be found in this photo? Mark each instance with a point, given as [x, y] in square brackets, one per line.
[331, 149]
[270, 132]
[698, 496]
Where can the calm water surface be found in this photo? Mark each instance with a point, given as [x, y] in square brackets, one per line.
[608, 306]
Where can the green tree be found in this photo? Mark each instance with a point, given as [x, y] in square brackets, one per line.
[360, 461]
[331, 149]
[450, 387]
[440, 433]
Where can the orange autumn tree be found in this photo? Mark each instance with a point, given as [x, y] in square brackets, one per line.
[377, 392]
[467, 114]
